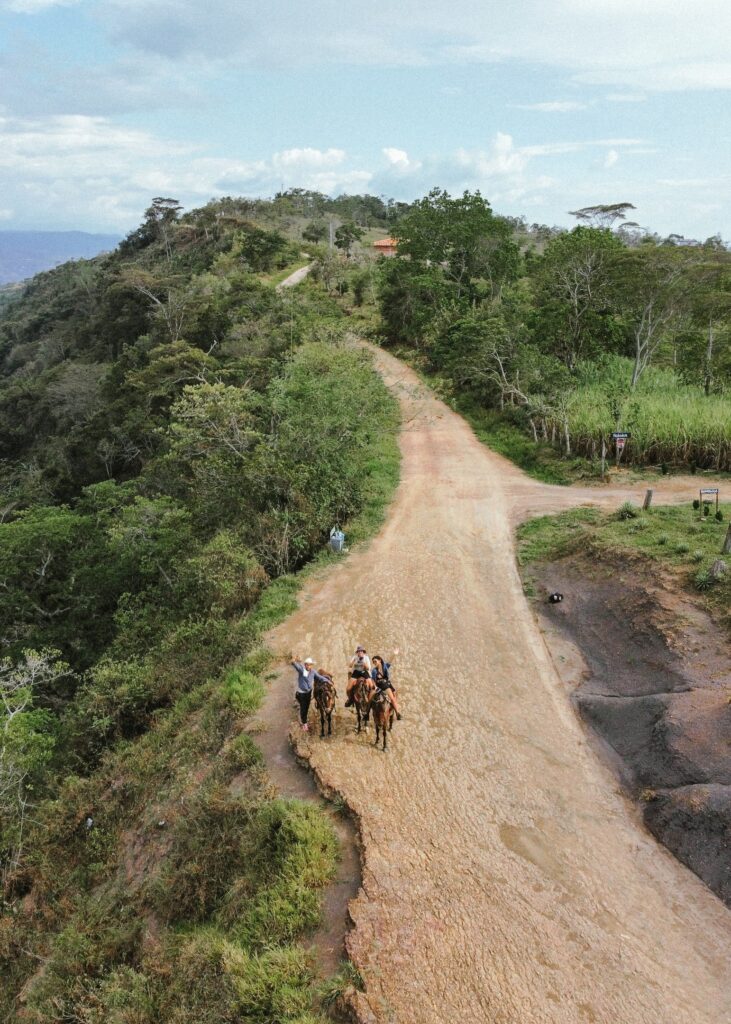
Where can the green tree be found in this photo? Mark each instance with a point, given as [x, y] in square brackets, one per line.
[347, 235]
[574, 316]
[463, 237]
[652, 287]
[315, 231]
[26, 744]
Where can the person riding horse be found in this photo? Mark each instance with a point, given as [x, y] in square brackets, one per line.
[381, 676]
[359, 667]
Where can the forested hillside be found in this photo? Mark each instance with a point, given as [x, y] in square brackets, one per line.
[177, 438]
[568, 335]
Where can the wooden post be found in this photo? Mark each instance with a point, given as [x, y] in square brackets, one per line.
[604, 457]
[726, 549]
[648, 499]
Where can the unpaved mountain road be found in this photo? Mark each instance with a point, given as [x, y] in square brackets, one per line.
[505, 879]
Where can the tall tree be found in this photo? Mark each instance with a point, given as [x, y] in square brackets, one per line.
[463, 236]
[652, 288]
[574, 319]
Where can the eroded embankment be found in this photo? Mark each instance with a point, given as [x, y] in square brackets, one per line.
[291, 777]
[650, 673]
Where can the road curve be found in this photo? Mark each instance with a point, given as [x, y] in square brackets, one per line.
[505, 879]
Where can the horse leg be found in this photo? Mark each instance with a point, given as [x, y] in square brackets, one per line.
[330, 722]
[375, 722]
[322, 723]
[357, 708]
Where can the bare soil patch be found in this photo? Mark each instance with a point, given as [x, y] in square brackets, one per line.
[651, 676]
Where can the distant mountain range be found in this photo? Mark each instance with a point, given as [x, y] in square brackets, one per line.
[25, 253]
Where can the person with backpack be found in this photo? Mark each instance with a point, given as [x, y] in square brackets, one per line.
[306, 678]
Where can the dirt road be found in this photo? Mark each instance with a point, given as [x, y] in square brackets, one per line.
[294, 278]
[505, 880]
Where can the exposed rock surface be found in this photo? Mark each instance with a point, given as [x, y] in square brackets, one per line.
[655, 687]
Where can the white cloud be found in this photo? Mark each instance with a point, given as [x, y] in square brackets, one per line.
[6, 213]
[553, 106]
[659, 45]
[399, 161]
[88, 171]
[611, 158]
[304, 159]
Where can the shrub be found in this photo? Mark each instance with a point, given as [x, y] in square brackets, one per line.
[719, 516]
[697, 556]
[696, 504]
[628, 511]
[206, 852]
[703, 580]
[663, 539]
[682, 548]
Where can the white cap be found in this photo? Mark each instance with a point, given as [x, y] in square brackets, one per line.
[309, 661]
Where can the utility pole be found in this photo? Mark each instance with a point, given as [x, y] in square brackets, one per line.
[332, 234]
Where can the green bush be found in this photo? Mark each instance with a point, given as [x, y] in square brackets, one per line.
[627, 511]
[703, 580]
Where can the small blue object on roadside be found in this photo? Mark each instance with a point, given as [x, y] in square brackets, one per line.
[337, 540]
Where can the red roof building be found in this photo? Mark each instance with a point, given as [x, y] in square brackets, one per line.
[386, 246]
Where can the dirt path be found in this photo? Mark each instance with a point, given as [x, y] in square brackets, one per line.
[294, 278]
[504, 877]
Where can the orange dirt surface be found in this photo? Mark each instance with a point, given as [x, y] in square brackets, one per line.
[505, 878]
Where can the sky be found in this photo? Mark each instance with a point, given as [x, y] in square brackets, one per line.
[545, 106]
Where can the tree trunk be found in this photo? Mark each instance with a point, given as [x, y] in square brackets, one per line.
[708, 379]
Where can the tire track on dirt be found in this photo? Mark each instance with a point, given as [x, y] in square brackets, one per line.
[504, 877]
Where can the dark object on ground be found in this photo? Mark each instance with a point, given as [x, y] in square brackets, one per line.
[555, 598]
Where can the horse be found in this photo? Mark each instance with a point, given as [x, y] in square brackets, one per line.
[325, 694]
[362, 699]
[383, 715]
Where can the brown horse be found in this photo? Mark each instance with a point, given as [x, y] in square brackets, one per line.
[383, 715]
[325, 694]
[362, 694]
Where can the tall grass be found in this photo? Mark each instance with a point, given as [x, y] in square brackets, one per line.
[670, 422]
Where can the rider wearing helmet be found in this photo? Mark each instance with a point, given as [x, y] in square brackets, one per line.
[381, 676]
[359, 667]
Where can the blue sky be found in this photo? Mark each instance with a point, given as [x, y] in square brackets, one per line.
[544, 105]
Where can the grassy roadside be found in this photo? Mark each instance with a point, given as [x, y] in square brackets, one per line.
[675, 539]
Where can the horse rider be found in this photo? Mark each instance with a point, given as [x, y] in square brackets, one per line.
[381, 676]
[359, 667]
[306, 677]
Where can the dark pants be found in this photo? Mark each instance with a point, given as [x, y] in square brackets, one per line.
[303, 699]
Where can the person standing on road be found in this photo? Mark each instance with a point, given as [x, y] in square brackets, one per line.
[306, 677]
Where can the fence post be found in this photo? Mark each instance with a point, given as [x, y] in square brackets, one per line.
[726, 549]
[648, 499]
